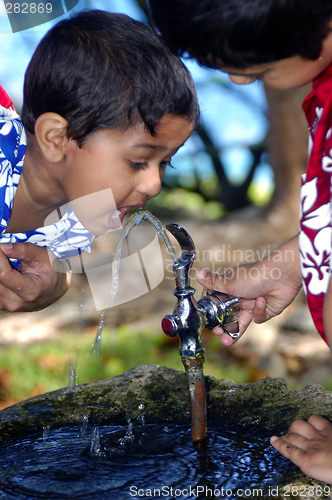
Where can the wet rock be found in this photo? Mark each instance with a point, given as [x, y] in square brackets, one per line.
[160, 394]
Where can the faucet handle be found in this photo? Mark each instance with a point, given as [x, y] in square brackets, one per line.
[221, 309]
[172, 325]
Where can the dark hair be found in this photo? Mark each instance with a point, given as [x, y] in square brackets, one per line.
[243, 33]
[101, 70]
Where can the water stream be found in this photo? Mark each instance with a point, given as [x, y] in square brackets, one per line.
[134, 220]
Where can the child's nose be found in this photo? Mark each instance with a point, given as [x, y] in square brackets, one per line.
[150, 184]
[242, 79]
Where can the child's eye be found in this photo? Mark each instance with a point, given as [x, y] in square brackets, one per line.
[142, 165]
[165, 164]
[138, 166]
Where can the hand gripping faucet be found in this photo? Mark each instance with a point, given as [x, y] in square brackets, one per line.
[188, 320]
[189, 317]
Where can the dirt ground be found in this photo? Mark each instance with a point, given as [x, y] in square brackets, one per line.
[287, 346]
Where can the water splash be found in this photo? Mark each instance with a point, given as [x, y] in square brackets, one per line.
[95, 442]
[81, 306]
[72, 377]
[84, 428]
[46, 431]
[147, 457]
[97, 343]
[129, 436]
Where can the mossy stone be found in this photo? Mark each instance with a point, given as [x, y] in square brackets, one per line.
[161, 394]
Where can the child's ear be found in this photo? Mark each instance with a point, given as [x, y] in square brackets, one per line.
[51, 135]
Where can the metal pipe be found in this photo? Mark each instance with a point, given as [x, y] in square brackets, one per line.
[197, 396]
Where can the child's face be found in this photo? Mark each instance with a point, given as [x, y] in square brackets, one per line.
[287, 73]
[126, 164]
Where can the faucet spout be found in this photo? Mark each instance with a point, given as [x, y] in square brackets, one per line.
[183, 266]
[186, 322]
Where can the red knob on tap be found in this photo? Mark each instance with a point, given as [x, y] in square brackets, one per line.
[171, 325]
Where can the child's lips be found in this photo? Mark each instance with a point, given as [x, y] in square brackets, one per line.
[116, 217]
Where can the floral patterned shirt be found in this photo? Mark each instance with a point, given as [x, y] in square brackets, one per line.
[315, 224]
[65, 237]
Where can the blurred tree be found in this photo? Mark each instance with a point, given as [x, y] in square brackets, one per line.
[232, 196]
[144, 6]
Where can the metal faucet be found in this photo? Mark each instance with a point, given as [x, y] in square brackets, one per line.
[189, 317]
[188, 320]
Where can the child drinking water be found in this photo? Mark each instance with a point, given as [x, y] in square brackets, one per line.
[105, 107]
[285, 44]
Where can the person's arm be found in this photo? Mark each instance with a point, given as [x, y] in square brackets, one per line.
[36, 285]
[268, 286]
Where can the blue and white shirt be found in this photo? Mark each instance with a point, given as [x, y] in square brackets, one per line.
[65, 238]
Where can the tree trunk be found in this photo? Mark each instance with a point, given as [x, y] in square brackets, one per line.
[288, 149]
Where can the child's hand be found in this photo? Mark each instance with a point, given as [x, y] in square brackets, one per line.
[36, 285]
[257, 308]
[309, 446]
[268, 286]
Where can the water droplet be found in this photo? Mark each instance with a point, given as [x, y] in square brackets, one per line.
[46, 431]
[81, 311]
[97, 344]
[72, 376]
[85, 421]
[129, 437]
[95, 443]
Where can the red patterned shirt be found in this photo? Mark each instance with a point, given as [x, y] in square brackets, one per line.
[5, 100]
[315, 224]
